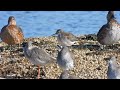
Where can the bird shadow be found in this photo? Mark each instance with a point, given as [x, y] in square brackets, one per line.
[88, 46]
[92, 47]
[96, 49]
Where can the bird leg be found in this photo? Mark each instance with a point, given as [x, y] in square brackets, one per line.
[38, 71]
[43, 73]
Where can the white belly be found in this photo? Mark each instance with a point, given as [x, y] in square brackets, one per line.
[66, 62]
[37, 61]
[64, 41]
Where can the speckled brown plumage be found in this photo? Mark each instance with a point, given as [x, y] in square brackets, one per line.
[65, 38]
[11, 33]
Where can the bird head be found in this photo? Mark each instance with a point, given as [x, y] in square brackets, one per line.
[27, 44]
[11, 20]
[112, 59]
[110, 15]
[57, 32]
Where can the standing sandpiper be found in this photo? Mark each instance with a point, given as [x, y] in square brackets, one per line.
[37, 55]
[65, 38]
[65, 59]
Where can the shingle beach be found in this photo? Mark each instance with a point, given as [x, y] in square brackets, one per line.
[90, 62]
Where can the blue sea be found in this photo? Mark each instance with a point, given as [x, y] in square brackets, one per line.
[45, 23]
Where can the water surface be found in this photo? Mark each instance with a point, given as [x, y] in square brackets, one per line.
[45, 23]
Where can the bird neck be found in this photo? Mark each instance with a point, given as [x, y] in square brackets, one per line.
[60, 34]
[12, 22]
[113, 65]
[65, 49]
[27, 52]
[110, 15]
[112, 23]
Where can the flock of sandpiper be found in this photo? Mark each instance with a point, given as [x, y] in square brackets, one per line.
[108, 34]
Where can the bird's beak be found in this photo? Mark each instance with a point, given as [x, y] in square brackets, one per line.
[54, 35]
[23, 44]
[59, 48]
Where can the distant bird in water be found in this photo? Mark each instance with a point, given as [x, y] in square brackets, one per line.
[65, 38]
[113, 69]
[110, 32]
[11, 33]
[65, 59]
[66, 75]
[37, 55]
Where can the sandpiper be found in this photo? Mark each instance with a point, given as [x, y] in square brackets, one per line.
[11, 33]
[65, 38]
[37, 55]
[65, 59]
[110, 32]
[113, 69]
